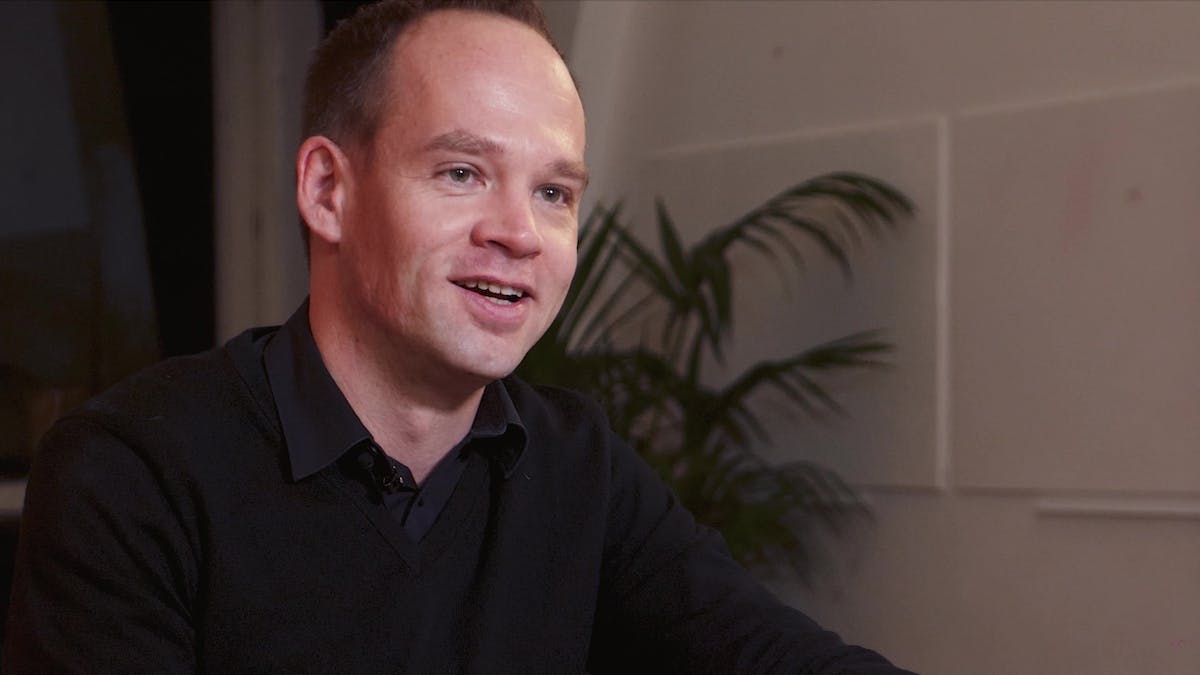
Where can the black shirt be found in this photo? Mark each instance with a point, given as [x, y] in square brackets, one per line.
[165, 532]
[320, 428]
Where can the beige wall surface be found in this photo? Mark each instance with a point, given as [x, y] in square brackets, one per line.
[1032, 458]
[260, 52]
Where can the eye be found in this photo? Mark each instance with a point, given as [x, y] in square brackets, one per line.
[460, 174]
[555, 194]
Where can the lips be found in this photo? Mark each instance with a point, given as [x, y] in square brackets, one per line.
[498, 293]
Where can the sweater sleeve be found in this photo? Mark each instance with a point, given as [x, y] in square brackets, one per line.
[673, 600]
[104, 568]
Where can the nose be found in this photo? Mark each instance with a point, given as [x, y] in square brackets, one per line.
[509, 224]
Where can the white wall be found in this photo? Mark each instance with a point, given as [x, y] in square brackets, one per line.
[1032, 458]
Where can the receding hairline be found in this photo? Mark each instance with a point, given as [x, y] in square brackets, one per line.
[388, 91]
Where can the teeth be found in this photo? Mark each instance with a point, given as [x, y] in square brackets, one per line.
[511, 293]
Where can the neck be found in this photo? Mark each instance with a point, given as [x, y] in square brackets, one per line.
[416, 416]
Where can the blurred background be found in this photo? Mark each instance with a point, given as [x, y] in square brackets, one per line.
[1030, 457]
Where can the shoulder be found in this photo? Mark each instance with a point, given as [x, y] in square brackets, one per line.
[546, 404]
[568, 422]
[179, 401]
[569, 432]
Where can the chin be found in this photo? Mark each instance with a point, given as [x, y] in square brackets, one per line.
[490, 359]
[500, 371]
[492, 369]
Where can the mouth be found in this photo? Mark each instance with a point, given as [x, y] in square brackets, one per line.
[499, 294]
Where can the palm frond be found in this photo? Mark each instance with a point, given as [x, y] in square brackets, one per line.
[700, 436]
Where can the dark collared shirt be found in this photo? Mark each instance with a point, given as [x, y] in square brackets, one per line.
[159, 507]
[320, 428]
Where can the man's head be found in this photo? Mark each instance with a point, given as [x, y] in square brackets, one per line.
[444, 220]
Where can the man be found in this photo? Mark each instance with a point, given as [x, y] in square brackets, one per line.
[364, 490]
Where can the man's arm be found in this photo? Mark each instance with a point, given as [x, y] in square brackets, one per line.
[105, 571]
[673, 600]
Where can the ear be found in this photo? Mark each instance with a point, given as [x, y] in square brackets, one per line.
[322, 179]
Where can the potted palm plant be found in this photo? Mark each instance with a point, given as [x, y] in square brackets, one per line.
[700, 437]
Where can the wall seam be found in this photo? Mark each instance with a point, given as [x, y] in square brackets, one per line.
[942, 461]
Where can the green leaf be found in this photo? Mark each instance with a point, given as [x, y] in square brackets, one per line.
[699, 431]
[669, 238]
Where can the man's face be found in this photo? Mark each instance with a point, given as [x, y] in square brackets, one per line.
[461, 221]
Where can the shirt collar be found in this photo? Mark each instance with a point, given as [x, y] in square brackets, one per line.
[319, 426]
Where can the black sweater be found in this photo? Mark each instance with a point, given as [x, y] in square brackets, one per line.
[163, 533]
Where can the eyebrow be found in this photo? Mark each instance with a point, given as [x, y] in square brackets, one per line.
[472, 144]
[465, 142]
[573, 170]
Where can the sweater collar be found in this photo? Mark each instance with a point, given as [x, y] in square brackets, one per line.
[319, 426]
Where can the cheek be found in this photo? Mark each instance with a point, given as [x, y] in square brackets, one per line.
[377, 263]
[563, 261]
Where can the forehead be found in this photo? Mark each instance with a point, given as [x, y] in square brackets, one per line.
[472, 61]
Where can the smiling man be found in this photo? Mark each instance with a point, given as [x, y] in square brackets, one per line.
[443, 234]
[365, 489]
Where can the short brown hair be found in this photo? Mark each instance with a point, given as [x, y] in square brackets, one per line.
[342, 91]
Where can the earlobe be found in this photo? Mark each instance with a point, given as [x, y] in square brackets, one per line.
[321, 175]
